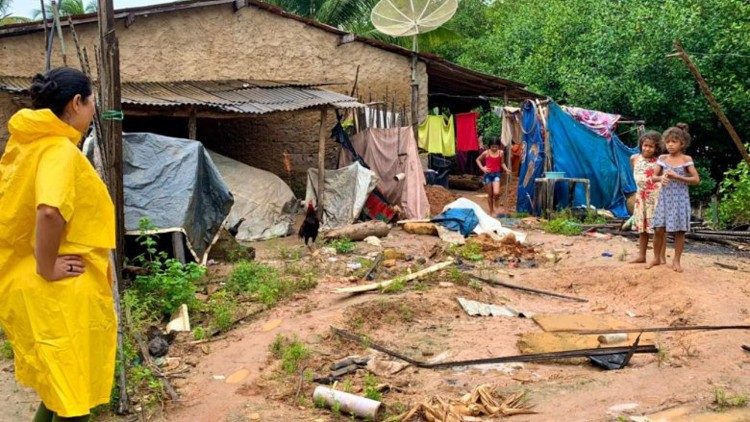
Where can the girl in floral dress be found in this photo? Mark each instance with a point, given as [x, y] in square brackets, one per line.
[648, 191]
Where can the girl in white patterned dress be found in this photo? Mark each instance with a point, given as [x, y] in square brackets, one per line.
[672, 212]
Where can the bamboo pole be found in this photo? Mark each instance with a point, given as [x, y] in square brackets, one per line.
[56, 20]
[711, 99]
[322, 162]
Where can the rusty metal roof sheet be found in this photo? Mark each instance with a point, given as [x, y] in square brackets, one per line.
[233, 96]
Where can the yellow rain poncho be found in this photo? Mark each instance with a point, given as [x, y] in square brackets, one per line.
[63, 332]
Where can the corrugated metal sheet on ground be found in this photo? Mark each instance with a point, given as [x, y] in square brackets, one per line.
[236, 96]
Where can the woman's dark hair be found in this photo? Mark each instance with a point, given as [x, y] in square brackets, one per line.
[495, 141]
[56, 88]
[651, 135]
[683, 126]
[675, 132]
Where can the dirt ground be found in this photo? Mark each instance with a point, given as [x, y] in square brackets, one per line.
[236, 379]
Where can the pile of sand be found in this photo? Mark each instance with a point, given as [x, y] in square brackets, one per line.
[438, 197]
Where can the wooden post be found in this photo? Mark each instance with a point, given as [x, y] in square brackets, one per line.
[44, 17]
[192, 125]
[712, 100]
[414, 90]
[178, 248]
[322, 163]
[56, 20]
[111, 127]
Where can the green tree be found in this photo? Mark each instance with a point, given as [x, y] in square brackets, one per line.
[67, 7]
[612, 56]
[5, 17]
[354, 16]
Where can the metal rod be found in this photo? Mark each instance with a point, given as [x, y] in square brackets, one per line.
[527, 289]
[662, 329]
[536, 357]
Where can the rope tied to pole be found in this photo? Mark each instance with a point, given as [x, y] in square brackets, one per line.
[113, 115]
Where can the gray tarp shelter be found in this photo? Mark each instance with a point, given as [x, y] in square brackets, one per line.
[266, 202]
[174, 183]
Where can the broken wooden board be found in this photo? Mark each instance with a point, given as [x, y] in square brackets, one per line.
[530, 343]
[580, 322]
[375, 286]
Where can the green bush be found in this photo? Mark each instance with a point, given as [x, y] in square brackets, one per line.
[702, 192]
[168, 283]
[222, 307]
[735, 196]
[562, 225]
[264, 283]
[343, 245]
[291, 352]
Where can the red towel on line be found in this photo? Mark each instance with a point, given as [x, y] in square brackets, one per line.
[466, 132]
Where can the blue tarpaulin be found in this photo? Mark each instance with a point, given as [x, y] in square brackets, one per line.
[581, 153]
[532, 164]
[462, 220]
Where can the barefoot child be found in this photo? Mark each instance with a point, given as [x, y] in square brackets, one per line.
[648, 191]
[492, 167]
[672, 212]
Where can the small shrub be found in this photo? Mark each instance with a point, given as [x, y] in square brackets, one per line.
[457, 276]
[290, 253]
[343, 245]
[292, 352]
[255, 278]
[398, 285]
[6, 350]
[199, 333]
[371, 388]
[725, 401]
[469, 251]
[222, 307]
[562, 225]
[475, 284]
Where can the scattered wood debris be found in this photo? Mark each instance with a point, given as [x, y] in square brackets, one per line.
[484, 401]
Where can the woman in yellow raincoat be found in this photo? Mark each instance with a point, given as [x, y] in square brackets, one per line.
[57, 228]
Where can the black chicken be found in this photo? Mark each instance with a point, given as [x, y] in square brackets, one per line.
[236, 228]
[309, 228]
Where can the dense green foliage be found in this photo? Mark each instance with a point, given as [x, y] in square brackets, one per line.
[735, 190]
[167, 283]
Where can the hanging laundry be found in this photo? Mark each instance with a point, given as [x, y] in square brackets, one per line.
[516, 152]
[466, 161]
[436, 135]
[599, 122]
[466, 131]
[511, 131]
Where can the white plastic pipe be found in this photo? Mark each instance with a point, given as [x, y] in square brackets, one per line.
[352, 404]
[612, 338]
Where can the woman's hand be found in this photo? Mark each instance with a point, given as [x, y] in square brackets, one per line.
[65, 266]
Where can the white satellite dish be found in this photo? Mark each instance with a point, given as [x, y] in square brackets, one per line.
[403, 18]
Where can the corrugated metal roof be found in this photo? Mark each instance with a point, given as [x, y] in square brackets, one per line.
[234, 96]
[443, 76]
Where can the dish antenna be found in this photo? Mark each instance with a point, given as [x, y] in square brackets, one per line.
[403, 18]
